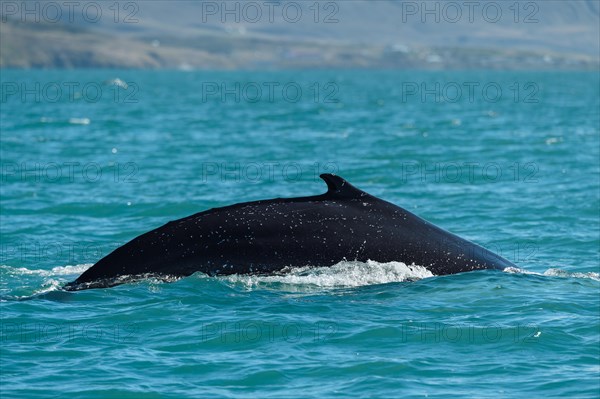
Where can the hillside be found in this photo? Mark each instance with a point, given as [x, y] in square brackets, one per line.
[350, 34]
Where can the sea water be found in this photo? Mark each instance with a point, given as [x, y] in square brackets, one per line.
[510, 160]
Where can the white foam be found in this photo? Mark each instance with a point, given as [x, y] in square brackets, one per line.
[49, 285]
[79, 121]
[55, 271]
[555, 273]
[340, 275]
[562, 273]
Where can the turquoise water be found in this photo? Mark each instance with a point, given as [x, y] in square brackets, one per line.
[509, 160]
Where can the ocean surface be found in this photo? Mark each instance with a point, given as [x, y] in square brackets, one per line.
[510, 160]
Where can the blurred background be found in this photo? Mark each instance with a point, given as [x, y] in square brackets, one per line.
[301, 34]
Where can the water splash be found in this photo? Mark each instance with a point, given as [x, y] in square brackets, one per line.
[344, 274]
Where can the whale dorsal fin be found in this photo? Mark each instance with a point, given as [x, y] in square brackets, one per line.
[339, 187]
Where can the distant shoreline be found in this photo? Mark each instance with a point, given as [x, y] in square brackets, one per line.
[57, 46]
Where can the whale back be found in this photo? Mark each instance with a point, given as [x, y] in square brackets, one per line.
[266, 236]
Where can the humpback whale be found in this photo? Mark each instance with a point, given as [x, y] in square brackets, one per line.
[268, 236]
